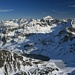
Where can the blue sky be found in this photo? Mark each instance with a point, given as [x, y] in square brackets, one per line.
[10, 9]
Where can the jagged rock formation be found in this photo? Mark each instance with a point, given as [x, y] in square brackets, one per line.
[71, 30]
[14, 63]
[73, 23]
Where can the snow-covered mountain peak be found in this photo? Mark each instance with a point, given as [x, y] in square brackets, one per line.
[22, 20]
[64, 20]
[48, 18]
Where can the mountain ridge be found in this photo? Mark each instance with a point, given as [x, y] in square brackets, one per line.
[47, 36]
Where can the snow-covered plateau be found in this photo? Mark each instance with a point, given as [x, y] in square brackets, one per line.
[37, 46]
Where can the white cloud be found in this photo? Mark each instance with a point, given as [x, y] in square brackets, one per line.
[61, 12]
[72, 6]
[6, 10]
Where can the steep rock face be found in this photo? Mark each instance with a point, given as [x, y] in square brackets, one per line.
[71, 30]
[73, 23]
[10, 62]
[15, 64]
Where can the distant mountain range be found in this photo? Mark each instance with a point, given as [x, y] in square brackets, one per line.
[30, 41]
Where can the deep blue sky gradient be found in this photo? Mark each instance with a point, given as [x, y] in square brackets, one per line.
[10, 9]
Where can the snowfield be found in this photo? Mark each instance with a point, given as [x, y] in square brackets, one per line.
[37, 47]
